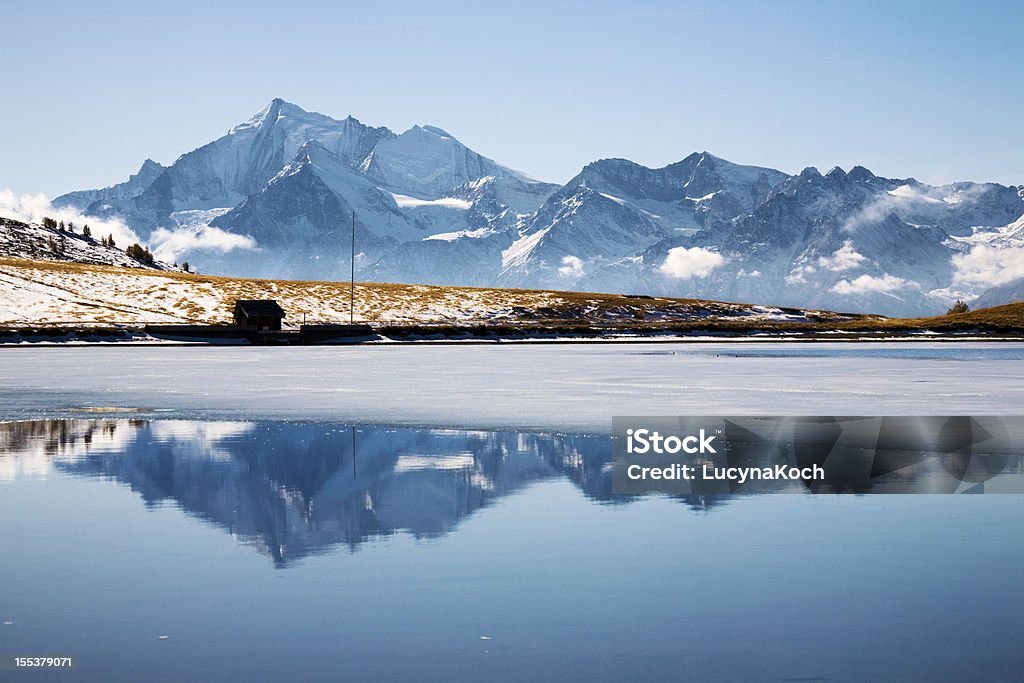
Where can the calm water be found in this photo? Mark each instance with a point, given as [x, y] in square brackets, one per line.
[275, 551]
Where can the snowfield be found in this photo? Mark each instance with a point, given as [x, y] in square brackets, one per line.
[550, 387]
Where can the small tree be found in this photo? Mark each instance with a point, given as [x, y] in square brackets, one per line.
[60, 226]
[49, 223]
[86, 231]
[959, 307]
[139, 253]
[184, 266]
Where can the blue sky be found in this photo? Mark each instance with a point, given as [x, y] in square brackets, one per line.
[932, 90]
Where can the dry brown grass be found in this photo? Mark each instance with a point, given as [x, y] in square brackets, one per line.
[504, 311]
[417, 303]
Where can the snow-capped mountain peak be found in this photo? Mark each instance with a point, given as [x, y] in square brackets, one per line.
[285, 182]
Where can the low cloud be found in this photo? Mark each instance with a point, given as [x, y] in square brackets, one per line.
[865, 284]
[919, 199]
[572, 267]
[796, 276]
[170, 245]
[32, 208]
[843, 258]
[878, 209]
[989, 266]
[683, 263]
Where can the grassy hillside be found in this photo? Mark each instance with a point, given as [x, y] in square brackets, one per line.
[1008, 317]
[51, 292]
[60, 295]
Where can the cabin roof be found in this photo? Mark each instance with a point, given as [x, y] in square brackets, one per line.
[259, 307]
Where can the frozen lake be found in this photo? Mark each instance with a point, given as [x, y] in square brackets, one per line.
[572, 387]
[445, 512]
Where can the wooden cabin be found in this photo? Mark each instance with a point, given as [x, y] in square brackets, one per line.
[258, 315]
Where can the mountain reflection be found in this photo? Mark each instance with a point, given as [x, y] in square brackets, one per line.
[296, 489]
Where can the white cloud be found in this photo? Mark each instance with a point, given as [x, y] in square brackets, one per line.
[796, 276]
[868, 283]
[874, 212]
[32, 208]
[989, 266]
[170, 245]
[919, 199]
[686, 263]
[843, 258]
[572, 267]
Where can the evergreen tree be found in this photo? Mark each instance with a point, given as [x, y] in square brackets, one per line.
[86, 231]
[959, 307]
[49, 222]
[184, 266]
[139, 253]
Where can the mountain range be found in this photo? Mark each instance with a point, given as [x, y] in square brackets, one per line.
[275, 196]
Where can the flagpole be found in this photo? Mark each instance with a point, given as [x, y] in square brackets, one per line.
[352, 289]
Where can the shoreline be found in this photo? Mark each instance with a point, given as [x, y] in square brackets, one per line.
[478, 335]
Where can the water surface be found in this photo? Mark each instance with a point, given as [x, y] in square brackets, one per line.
[319, 551]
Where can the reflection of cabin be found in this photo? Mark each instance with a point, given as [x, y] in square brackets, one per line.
[259, 315]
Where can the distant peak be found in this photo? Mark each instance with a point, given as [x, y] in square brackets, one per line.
[270, 113]
[609, 162]
[270, 110]
[437, 131]
[419, 131]
[809, 172]
[836, 172]
[859, 173]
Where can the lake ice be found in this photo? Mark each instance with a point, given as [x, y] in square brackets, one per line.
[568, 387]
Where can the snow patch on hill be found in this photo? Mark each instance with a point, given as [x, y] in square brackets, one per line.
[29, 240]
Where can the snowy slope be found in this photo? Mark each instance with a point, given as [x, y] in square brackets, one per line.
[31, 241]
[227, 170]
[844, 241]
[1006, 293]
[576, 230]
[274, 197]
[428, 161]
[134, 186]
